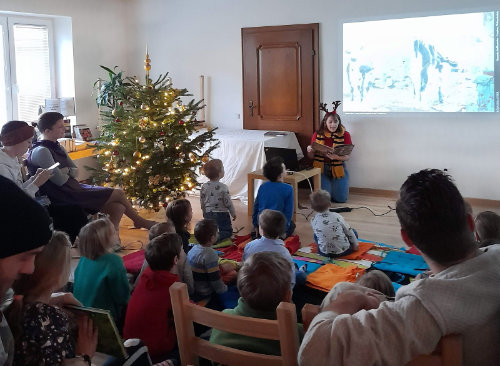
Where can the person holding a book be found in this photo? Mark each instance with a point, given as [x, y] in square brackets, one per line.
[334, 175]
[100, 277]
[41, 330]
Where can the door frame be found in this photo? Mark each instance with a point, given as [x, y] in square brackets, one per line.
[316, 86]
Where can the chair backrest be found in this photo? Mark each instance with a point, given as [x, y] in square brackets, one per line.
[191, 347]
[309, 311]
[447, 353]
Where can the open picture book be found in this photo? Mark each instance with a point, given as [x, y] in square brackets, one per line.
[340, 149]
[109, 341]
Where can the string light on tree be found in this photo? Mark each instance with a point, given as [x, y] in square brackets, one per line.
[158, 153]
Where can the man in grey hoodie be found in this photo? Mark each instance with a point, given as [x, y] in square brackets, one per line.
[462, 296]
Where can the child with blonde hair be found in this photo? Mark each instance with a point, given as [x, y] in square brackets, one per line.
[379, 281]
[101, 278]
[263, 282]
[333, 234]
[42, 331]
[487, 228]
[215, 200]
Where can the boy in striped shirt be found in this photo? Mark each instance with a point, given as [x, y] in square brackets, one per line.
[204, 263]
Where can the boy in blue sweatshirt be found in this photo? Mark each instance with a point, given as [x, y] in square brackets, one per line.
[274, 195]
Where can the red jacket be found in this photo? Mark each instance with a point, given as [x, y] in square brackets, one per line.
[149, 313]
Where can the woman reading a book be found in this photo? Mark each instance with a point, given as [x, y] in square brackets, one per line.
[331, 133]
[63, 188]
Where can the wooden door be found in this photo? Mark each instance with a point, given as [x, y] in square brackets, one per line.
[281, 79]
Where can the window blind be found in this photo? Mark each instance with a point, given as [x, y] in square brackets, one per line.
[31, 47]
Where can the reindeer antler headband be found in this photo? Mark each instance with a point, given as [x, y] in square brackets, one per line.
[322, 107]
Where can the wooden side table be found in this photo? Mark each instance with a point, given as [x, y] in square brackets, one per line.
[292, 179]
[80, 154]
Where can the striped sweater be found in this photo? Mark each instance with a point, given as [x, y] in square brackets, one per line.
[204, 263]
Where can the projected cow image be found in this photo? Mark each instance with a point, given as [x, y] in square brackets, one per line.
[430, 64]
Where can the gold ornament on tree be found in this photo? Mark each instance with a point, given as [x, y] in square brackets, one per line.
[147, 65]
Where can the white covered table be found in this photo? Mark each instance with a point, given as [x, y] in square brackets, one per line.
[242, 152]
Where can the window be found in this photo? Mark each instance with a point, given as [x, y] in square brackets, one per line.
[27, 59]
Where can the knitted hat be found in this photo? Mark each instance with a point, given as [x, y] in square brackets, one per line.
[14, 132]
[24, 224]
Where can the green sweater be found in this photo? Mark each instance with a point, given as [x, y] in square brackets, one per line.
[102, 283]
[245, 343]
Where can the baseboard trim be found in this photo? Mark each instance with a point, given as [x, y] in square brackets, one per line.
[394, 194]
[374, 192]
[483, 202]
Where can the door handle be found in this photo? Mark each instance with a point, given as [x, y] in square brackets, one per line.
[251, 106]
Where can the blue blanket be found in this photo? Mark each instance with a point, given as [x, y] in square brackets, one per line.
[311, 267]
[399, 262]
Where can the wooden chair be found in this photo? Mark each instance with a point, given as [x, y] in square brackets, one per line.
[447, 353]
[191, 347]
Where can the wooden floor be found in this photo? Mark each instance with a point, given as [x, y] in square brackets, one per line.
[377, 228]
[383, 229]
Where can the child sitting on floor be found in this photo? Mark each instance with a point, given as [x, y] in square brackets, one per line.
[274, 195]
[100, 277]
[334, 236]
[161, 228]
[487, 228]
[379, 281]
[180, 213]
[271, 226]
[215, 200]
[149, 312]
[263, 282]
[183, 268]
[204, 263]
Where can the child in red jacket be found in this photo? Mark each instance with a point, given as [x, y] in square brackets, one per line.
[149, 313]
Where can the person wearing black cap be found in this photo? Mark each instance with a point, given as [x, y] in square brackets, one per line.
[25, 228]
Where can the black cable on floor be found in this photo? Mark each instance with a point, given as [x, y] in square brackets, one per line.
[373, 212]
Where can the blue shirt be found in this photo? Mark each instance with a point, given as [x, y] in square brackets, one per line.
[274, 196]
[264, 244]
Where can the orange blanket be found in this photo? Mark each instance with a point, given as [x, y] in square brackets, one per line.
[363, 248]
[325, 277]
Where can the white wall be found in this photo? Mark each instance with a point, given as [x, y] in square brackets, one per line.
[190, 38]
[99, 30]
[64, 62]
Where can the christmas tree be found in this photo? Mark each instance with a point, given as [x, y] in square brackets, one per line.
[148, 144]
